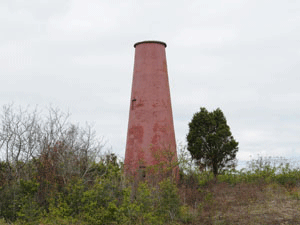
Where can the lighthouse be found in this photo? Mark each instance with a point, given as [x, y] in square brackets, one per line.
[150, 136]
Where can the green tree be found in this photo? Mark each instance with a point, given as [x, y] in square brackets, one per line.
[210, 141]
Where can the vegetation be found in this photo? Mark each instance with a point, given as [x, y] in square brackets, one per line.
[256, 195]
[71, 182]
[210, 141]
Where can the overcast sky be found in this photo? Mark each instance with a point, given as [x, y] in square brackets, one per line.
[240, 56]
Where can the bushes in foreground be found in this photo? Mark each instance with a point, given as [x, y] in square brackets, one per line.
[107, 197]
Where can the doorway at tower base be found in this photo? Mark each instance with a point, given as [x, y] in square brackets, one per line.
[164, 164]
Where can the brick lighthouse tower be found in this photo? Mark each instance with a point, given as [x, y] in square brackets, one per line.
[150, 136]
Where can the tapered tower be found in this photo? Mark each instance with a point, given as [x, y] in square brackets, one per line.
[150, 135]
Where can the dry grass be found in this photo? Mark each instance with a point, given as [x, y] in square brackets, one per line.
[244, 203]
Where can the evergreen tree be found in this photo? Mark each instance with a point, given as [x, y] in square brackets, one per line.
[210, 141]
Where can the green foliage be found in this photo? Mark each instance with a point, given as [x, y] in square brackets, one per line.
[29, 209]
[186, 215]
[9, 206]
[108, 197]
[210, 141]
[205, 177]
[169, 202]
[128, 210]
[29, 187]
[146, 205]
[99, 203]
[260, 171]
[19, 201]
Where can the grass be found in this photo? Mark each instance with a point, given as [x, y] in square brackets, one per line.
[247, 204]
[261, 194]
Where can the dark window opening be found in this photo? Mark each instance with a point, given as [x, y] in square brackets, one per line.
[133, 100]
[142, 171]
